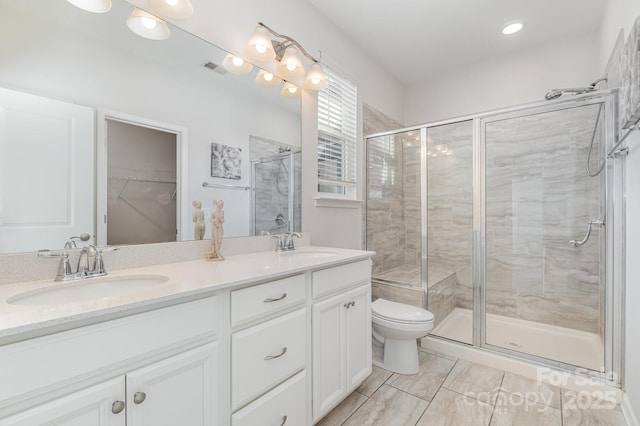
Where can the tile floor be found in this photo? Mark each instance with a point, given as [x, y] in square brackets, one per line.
[454, 392]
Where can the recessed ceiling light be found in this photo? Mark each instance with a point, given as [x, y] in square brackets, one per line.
[512, 28]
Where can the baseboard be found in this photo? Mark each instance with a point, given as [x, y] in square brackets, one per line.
[629, 413]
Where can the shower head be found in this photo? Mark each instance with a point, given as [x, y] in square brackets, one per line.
[556, 93]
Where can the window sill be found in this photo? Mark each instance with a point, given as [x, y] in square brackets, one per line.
[337, 203]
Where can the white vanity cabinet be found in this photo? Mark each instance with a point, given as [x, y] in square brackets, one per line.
[145, 369]
[269, 355]
[341, 329]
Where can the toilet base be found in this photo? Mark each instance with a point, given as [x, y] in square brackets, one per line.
[401, 356]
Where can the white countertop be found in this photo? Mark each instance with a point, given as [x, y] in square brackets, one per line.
[186, 281]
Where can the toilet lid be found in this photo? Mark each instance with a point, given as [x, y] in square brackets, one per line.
[400, 312]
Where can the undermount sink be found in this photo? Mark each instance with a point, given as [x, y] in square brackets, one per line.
[88, 289]
[303, 255]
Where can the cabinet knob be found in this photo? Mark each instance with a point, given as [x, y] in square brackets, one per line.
[139, 397]
[117, 407]
[269, 300]
[284, 420]
[268, 357]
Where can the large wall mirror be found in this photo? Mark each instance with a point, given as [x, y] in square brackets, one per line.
[118, 136]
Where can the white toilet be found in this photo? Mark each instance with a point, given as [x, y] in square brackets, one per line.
[396, 326]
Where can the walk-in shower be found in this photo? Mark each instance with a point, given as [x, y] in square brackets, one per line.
[498, 224]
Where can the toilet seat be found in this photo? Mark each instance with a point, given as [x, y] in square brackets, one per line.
[400, 313]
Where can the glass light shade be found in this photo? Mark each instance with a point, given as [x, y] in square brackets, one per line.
[95, 6]
[176, 9]
[260, 46]
[316, 78]
[148, 26]
[267, 79]
[290, 91]
[291, 65]
[236, 65]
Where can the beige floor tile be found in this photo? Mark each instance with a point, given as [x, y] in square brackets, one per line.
[532, 390]
[433, 371]
[436, 353]
[346, 408]
[475, 381]
[512, 409]
[586, 408]
[376, 379]
[452, 409]
[389, 407]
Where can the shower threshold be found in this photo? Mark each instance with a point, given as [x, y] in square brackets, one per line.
[575, 347]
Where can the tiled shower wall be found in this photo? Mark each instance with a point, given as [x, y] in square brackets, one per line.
[538, 198]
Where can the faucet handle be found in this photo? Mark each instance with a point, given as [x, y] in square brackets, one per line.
[289, 239]
[280, 243]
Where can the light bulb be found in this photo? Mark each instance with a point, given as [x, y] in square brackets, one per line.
[315, 81]
[291, 67]
[268, 76]
[237, 61]
[512, 28]
[261, 48]
[171, 2]
[293, 90]
[148, 23]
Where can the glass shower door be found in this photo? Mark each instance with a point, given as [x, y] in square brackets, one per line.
[545, 223]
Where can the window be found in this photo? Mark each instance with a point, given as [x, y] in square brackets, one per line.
[337, 109]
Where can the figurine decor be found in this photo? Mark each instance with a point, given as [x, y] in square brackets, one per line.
[217, 231]
[198, 219]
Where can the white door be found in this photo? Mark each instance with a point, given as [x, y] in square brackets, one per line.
[46, 172]
[93, 406]
[358, 336]
[180, 390]
[329, 372]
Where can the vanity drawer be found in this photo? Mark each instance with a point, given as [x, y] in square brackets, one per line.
[260, 300]
[330, 280]
[286, 402]
[265, 355]
[56, 358]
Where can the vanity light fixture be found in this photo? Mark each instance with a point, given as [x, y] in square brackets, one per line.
[95, 6]
[512, 27]
[290, 91]
[267, 79]
[176, 9]
[236, 65]
[286, 51]
[148, 26]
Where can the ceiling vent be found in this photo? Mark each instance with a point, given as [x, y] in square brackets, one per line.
[214, 67]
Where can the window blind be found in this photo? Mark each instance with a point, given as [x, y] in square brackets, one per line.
[337, 113]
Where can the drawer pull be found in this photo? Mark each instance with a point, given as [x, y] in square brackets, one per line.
[117, 407]
[268, 357]
[350, 304]
[139, 397]
[284, 420]
[269, 300]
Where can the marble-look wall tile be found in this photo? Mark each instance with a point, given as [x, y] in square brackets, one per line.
[538, 198]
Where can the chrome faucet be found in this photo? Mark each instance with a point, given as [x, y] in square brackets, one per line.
[85, 268]
[285, 241]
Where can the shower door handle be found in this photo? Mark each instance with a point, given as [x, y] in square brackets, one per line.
[575, 244]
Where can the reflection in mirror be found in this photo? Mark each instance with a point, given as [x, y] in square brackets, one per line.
[67, 75]
[277, 186]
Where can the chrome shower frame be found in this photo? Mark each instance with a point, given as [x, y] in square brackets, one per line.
[615, 233]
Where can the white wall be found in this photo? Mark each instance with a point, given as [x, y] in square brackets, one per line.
[504, 81]
[622, 14]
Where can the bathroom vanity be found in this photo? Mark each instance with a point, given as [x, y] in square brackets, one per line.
[261, 338]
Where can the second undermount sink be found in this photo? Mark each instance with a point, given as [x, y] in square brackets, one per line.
[89, 289]
[308, 254]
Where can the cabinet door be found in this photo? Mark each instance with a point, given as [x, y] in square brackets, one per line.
[329, 374]
[89, 407]
[358, 336]
[180, 390]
